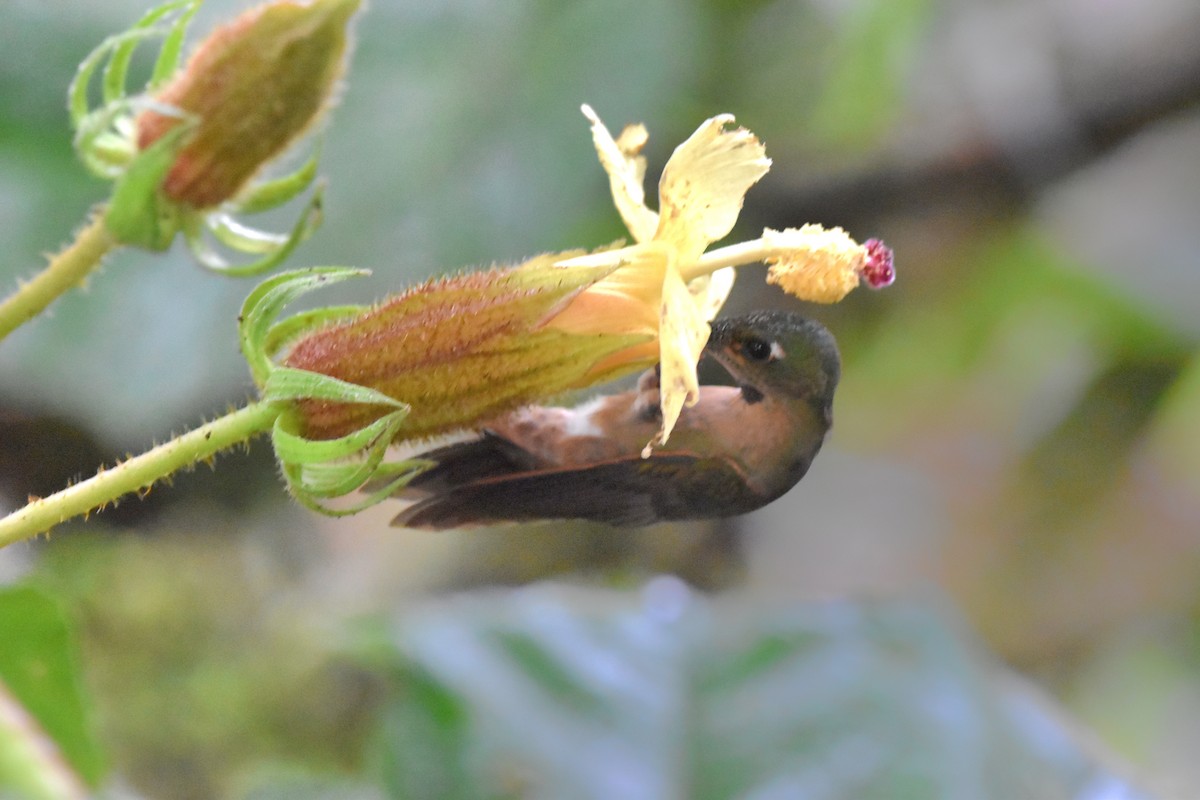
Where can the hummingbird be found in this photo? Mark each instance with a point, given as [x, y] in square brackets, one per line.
[737, 449]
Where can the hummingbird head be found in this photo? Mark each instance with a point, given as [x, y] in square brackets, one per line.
[780, 354]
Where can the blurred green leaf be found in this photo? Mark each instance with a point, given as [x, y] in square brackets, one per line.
[1077, 464]
[204, 685]
[867, 65]
[1018, 299]
[427, 736]
[38, 666]
[1175, 432]
[545, 692]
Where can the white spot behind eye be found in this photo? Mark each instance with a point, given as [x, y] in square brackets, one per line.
[777, 352]
[580, 421]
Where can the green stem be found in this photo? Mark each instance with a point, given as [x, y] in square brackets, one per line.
[67, 269]
[138, 473]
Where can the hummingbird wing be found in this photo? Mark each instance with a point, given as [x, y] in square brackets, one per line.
[464, 462]
[628, 491]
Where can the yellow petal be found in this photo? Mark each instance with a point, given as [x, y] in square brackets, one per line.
[626, 300]
[683, 332]
[710, 291]
[704, 183]
[626, 170]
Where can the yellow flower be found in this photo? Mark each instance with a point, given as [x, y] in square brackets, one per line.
[657, 289]
[665, 284]
[462, 350]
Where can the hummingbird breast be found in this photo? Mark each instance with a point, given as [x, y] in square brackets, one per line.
[763, 440]
[604, 428]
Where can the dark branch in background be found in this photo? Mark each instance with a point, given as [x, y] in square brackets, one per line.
[986, 176]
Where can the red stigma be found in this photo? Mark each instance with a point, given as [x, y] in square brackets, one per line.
[878, 268]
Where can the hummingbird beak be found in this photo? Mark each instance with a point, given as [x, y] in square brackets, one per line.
[734, 365]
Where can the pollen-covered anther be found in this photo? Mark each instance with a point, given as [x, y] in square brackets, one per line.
[878, 269]
[814, 263]
[823, 265]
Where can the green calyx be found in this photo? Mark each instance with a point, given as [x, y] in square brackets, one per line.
[319, 470]
[139, 213]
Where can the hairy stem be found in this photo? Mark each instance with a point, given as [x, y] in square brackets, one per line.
[66, 269]
[138, 473]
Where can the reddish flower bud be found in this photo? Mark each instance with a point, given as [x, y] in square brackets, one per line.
[460, 350]
[251, 88]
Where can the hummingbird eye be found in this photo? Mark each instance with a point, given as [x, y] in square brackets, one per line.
[757, 349]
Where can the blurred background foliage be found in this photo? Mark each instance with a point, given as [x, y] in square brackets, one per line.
[1016, 432]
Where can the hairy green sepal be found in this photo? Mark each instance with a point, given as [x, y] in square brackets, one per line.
[319, 470]
[105, 139]
[139, 215]
[103, 148]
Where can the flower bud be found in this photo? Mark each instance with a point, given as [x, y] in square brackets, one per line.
[250, 89]
[460, 350]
